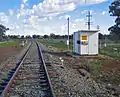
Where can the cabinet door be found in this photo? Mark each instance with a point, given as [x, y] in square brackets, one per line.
[84, 48]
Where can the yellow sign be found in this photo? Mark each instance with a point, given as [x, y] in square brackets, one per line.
[84, 38]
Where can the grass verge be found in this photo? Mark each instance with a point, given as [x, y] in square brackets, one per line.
[9, 43]
[96, 66]
[112, 51]
[58, 45]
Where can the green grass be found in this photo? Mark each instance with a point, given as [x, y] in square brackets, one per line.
[96, 66]
[109, 51]
[58, 45]
[9, 43]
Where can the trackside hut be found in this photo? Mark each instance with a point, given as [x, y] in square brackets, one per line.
[85, 42]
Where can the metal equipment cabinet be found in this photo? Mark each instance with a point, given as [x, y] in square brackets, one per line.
[85, 42]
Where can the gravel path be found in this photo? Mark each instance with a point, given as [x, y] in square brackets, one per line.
[69, 81]
[28, 80]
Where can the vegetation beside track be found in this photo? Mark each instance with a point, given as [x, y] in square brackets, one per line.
[9, 43]
[59, 44]
[96, 66]
[111, 50]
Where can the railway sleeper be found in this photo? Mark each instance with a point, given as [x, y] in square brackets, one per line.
[28, 81]
[42, 77]
[28, 73]
[27, 93]
[6, 80]
[43, 81]
[34, 87]
[11, 74]
[31, 82]
[42, 72]
[29, 85]
[1, 92]
[44, 84]
[21, 79]
[4, 83]
[45, 89]
[27, 78]
[31, 65]
[2, 87]
[30, 68]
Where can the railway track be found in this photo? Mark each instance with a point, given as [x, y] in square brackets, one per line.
[30, 77]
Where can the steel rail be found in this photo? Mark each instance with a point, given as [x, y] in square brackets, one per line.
[46, 72]
[9, 83]
[18, 66]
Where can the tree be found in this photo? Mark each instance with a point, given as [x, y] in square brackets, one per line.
[114, 10]
[52, 35]
[36, 36]
[3, 29]
[45, 36]
[22, 37]
[101, 36]
[14, 36]
[28, 36]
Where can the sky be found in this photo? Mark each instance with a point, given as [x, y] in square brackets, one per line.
[28, 17]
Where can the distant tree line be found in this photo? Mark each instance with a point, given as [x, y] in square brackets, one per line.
[51, 36]
[3, 29]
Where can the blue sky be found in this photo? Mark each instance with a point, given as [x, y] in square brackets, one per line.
[28, 17]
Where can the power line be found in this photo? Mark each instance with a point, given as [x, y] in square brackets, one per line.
[89, 20]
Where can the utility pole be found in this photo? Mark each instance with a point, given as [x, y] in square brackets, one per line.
[68, 34]
[89, 20]
[98, 27]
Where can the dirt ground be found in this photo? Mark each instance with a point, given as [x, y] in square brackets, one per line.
[111, 65]
[9, 57]
[6, 52]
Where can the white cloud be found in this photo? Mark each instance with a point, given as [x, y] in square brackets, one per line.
[40, 19]
[18, 16]
[60, 17]
[22, 6]
[24, 1]
[4, 18]
[67, 16]
[94, 1]
[33, 19]
[55, 7]
[11, 12]
[50, 18]
[79, 20]
[84, 12]
[104, 12]
[64, 17]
